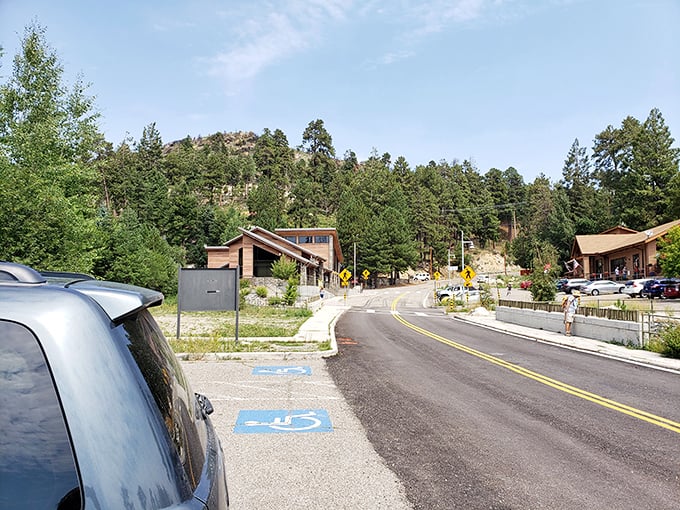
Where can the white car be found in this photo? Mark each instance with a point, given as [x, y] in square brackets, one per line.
[473, 295]
[634, 287]
[423, 277]
[602, 287]
[451, 290]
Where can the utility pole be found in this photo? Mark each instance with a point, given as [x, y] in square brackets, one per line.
[355, 266]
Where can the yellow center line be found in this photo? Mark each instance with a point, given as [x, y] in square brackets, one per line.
[553, 383]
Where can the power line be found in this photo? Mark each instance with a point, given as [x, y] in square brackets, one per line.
[512, 205]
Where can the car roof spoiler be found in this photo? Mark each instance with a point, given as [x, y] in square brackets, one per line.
[118, 300]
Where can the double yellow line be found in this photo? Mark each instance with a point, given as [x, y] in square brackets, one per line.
[558, 385]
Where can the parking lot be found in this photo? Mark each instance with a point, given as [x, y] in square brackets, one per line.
[289, 438]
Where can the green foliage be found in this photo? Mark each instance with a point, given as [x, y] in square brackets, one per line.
[667, 342]
[135, 253]
[669, 253]
[276, 301]
[261, 292]
[266, 206]
[48, 137]
[322, 166]
[291, 294]
[284, 269]
[637, 167]
[542, 286]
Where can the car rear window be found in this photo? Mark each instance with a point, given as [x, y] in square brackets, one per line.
[170, 389]
[37, 468]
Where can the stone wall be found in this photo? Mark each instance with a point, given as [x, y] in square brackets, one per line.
[606, 330]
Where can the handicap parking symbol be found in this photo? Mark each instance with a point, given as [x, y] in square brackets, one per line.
[282, 370]
[282, 421]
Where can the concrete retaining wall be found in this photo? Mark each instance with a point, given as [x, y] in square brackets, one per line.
[606, 330]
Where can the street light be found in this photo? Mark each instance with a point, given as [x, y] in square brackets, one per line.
[462, 250]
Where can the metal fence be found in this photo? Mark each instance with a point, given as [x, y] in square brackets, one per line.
[653, 324]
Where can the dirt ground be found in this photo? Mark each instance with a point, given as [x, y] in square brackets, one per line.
[492, 262]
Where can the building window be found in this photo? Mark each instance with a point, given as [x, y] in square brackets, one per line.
[305, 240]
[292, 239]
[321, 239]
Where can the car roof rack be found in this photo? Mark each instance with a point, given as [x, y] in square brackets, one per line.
[65, 278]
[11, 272]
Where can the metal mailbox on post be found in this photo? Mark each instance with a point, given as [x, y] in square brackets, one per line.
[207, 290]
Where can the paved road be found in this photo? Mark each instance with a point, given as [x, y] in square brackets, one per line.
[470, 418]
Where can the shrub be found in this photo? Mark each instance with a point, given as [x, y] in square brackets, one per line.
[668, 341]
[284, 269]
[542, 286]
[291, 292]
[261, 292]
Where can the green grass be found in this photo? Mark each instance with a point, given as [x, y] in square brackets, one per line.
[202, 346]
[202, 332]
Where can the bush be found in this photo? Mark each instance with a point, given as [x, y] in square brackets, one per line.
[276, 301]
[668, 341]
[284, 269]
[261, 292]
[542, 286]
[291, 292]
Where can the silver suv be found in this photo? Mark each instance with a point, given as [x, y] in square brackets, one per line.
[96, 411]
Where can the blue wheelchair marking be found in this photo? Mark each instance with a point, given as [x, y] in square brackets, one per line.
[282, 370]
[282, 421]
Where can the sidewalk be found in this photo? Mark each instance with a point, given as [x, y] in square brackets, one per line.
[594, 347]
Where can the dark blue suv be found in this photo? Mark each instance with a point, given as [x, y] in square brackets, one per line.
[96, 411]
[654, 288]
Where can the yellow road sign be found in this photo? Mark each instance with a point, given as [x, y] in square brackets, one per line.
[437, 275]
[345, 275]
[366, 274]
[468, 273]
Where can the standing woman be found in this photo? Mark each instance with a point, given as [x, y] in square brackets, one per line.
[569, 306]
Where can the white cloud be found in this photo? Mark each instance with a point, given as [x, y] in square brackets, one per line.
[265, 39]
[392, 57]
[267, 33]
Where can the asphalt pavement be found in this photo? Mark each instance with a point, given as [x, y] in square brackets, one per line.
[291, 440]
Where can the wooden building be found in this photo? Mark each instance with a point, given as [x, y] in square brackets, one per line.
[618, 253]
[316, 251]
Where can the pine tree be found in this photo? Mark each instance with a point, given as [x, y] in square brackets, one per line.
[48, 139]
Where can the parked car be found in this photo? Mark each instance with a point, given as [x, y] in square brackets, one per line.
[560, 283]
[450, 290]
[96, 411]
[423, 277]
[654, 288]
[469, 294]
[602, 287]
[574, 283]
[671, 291]
[634, 287]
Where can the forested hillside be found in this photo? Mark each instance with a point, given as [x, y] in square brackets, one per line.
[71, 200]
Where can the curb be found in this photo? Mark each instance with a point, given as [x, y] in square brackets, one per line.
[598, 348]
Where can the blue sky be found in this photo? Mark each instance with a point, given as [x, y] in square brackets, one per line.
[498, 82]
